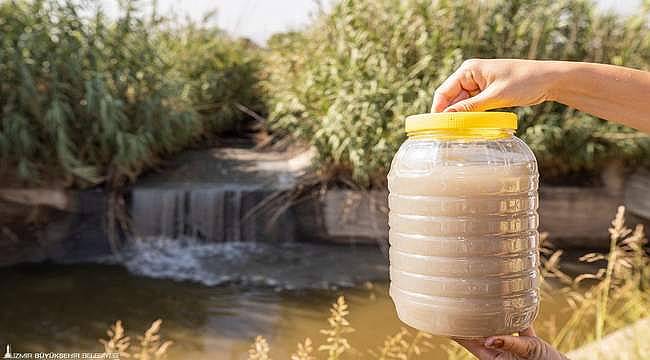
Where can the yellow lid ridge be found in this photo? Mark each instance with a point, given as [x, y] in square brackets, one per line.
[461, 120]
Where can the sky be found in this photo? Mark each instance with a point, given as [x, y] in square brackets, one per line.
[259, 19]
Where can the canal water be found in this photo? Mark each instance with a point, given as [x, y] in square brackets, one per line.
[214, 299]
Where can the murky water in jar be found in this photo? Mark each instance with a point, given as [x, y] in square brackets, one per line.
[464, 239]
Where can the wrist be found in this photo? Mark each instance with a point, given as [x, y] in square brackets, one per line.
[557, 77]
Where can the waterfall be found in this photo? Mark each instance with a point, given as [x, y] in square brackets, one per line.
[209, 233]
[209, 214]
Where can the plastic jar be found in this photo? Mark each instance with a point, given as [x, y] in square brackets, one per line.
[463, 226]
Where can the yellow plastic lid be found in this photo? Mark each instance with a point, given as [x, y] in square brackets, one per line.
[461, 120]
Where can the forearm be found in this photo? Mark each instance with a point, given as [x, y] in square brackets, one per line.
[610, 92]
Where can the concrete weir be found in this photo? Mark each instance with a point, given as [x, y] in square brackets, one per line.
[236, 195]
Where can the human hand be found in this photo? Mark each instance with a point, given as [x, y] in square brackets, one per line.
[526, 346]
[484, 84]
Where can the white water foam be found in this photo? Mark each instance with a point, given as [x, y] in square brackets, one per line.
[185, 259]
[278, 265]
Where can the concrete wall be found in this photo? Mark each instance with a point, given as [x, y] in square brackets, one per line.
[71, 227]
[574, 217]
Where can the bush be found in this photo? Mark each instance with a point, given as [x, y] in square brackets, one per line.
[346, 83]
[219, 74]
[86, 100]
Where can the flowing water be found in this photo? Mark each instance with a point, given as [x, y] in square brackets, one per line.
[67, 308]
[214, 298]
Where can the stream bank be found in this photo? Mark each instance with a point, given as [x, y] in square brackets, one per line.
[240, 194]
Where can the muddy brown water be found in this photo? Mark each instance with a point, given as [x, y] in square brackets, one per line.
[67, 308]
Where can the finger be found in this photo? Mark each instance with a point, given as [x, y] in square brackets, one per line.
[446, 92]
[461, 80]
[468, 82]
[479, 102]
[528, 332]
[477, 348]
[523, 346]
[464, 94]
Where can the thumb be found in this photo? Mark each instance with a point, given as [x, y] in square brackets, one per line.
[474, 103]
[524, 346]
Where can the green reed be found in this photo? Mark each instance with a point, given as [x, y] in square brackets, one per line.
[85, 99]
[346, 83]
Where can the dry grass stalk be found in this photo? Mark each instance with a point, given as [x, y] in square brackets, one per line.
[403, 346]
[259, 350]
[336, 343]
[150, 347]
[610, 298]
[305, 351]
[117, 341]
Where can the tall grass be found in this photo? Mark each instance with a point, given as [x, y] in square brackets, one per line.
[85, 99]
[616, 295]
[346, 83]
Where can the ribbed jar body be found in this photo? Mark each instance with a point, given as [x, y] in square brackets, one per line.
[463, 234]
